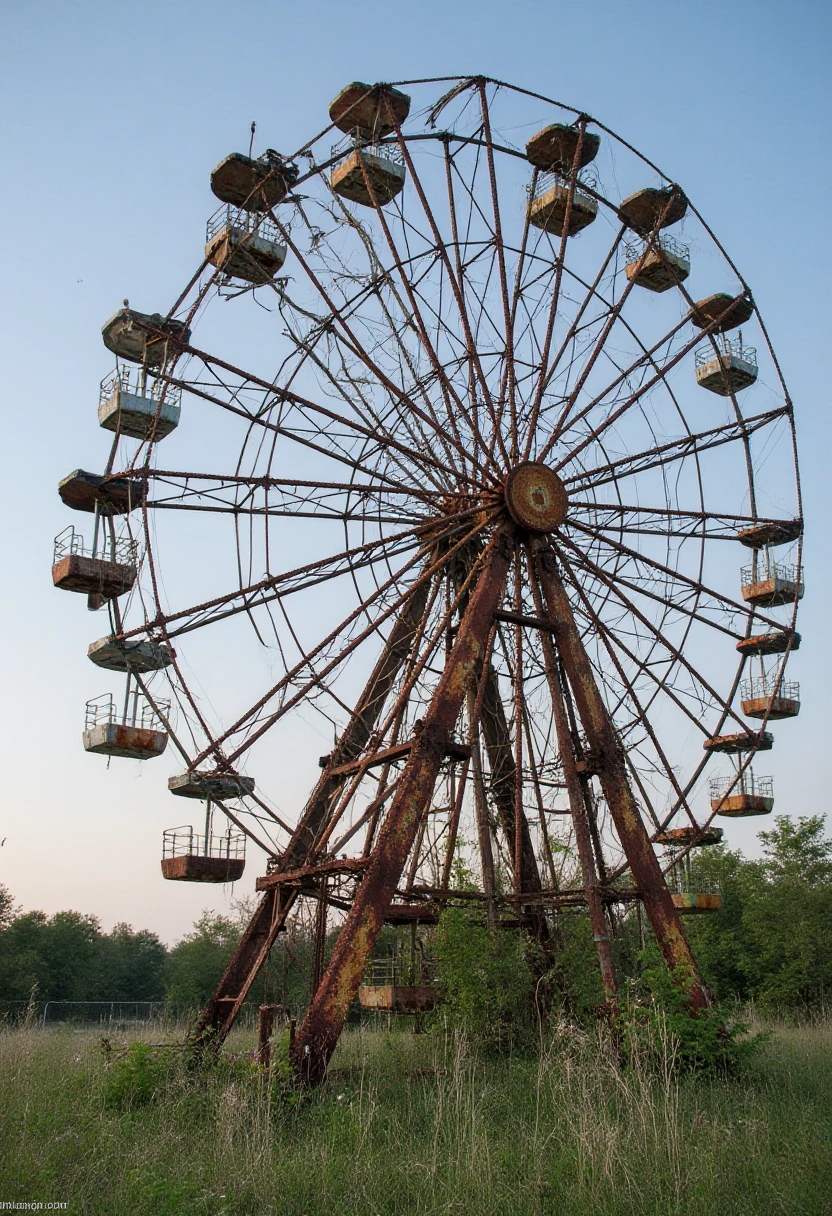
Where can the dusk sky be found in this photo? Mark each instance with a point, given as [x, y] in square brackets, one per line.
[113, 117]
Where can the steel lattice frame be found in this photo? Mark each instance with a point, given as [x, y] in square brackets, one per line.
[424, 349]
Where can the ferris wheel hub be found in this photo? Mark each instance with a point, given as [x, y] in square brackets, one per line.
[535, 497]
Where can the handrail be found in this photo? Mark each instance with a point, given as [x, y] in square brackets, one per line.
[122, 550]
[746, 783]
[133, 380]
[758, 687]
[779, 571]
[728, 348]
[669, 244]
[185, 842]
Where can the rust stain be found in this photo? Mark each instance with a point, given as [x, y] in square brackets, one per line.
[322, 1025]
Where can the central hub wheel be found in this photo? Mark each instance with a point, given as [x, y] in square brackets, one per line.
[535, 497]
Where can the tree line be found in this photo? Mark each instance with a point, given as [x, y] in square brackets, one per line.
[771, 943]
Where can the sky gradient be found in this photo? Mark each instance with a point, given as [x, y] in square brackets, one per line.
[114, 115]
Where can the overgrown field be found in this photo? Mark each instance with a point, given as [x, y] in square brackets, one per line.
[417, 1124]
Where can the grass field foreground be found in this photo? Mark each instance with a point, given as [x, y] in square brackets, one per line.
[416, 1124]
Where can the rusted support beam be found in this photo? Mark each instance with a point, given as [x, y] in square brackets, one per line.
[528, 622]
[324, 1019]
[349, 865]
[612, 774]
[483, 826]
[388, 755]
[265, 1026]
[577, 806]
[496, 736]
[270, 916]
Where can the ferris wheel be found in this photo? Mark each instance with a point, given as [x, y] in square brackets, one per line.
[483, 466]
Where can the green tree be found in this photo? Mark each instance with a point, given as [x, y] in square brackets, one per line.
[131, 965]
[55, 956]
[772, 940]
[195, 965]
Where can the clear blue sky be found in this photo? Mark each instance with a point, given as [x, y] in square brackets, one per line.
[114, 115]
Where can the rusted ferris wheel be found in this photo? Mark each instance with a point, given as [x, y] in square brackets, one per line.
[478, 512]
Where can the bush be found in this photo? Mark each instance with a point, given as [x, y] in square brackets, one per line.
[658, 1025]
[136, 1078]
[486, 982]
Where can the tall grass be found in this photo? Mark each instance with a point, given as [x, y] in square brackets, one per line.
[418, 1124]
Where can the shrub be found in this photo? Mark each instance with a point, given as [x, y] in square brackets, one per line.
[136, 1078]
[658, 1025]
[486, 983]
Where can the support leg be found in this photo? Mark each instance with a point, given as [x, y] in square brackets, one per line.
[577, 806]
[324, 1019]
[612, 773]
[270, 916]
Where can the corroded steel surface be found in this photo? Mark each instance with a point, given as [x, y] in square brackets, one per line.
[130, 742]
[93, 576]
[651, 207]
[210, 785]
[245, 255]
[82, 491]
[612, 773]
[251, 184]
[773, 708]
[322, 1025]
[776, 641]
[387, 755]
[721, 312]
[141, 337]
[261, 932]
[688, 904]
[549, 210]
[535, 497]
[742, 741]
[130, 655]
[555, 146]
[398, 998]
[372, 108]
[771, 532]
[578, 810]
[681, 837]
[658, 270]
[194, 868]
[365, 178]
[737, 806]
[772, 592]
